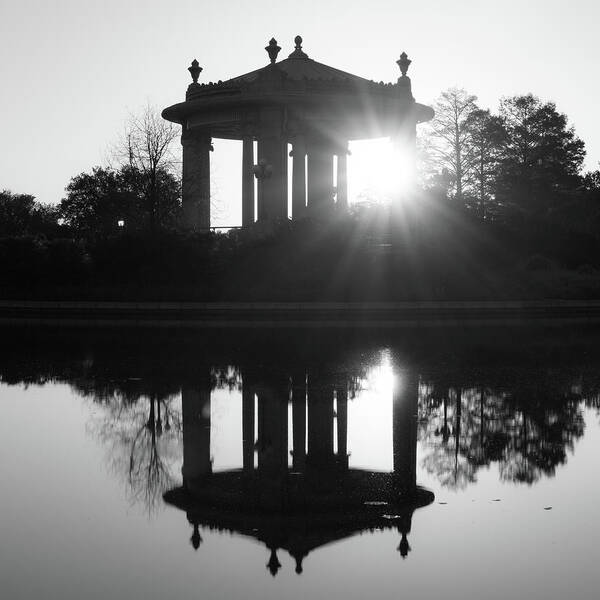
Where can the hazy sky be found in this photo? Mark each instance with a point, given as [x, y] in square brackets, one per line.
[72, 70]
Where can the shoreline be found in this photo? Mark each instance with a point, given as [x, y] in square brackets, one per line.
[301, 314]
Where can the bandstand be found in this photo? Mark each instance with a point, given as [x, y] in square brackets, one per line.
[315, 108]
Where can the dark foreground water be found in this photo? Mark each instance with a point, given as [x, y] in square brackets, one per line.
[252, 464]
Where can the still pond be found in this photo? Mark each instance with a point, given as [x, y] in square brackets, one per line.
[434, 463]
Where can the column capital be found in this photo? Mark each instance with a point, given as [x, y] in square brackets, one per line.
[341, 149]
[295, 126]
[249, 130]
[270, 123]
[298, 145]
[197, 137]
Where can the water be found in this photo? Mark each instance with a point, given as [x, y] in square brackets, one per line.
[253, 464]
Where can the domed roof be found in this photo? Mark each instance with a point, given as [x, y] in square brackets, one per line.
[298, 66]
[316, 91]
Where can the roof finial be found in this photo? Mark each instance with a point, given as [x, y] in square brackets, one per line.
[297, 53]
[273, 49]
[403, 63]
[195, 70]
[273, 565]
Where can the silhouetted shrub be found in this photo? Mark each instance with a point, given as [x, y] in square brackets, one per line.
[432, 251]
[66, 261]
[537, 262]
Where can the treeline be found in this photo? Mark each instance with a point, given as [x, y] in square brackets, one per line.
[504, 211]
[97, 206]
[522, 162]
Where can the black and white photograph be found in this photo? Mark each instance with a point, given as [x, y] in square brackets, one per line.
[299, 300]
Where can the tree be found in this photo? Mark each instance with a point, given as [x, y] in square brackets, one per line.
[486, 138]
[147, 149]
[167, 193]
[591, 181]
[542, 155]
[96, 202]
[448, 141]
[20, 214]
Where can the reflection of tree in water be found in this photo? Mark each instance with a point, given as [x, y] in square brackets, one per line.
[524, 424]
[153, 451]
[140, 423]
[590, 390]
[228, 377]
[143, 440]
[447, 422]
[527, 429]
[543, 425]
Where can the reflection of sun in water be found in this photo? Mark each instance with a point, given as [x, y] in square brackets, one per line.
[380, 379]
[370, 419]
[378, 171]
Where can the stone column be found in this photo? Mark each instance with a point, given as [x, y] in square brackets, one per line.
[273, 156]
[299, 178]
[272, 429]
[342, 426]
[299, 421]
[405, 142]
[342, 179]
[247, 427]
[196, 179]
[195, 408]
[247, 181]
[320, 424]
[319, 178]
[405, 213]
[404, 433]
[410, 137]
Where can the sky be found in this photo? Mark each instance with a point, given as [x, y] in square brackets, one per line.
[71, 71]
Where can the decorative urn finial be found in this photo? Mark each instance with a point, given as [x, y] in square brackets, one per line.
[273, 49]
[196, 538]
[404, 547]
[298, 53]
[195, 70]
[403, 63]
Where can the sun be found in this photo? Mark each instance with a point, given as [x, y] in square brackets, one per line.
[378, 171]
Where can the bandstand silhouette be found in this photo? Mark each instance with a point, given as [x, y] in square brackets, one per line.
[316, 108]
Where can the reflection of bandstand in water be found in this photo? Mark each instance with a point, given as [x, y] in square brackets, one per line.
[318, 498]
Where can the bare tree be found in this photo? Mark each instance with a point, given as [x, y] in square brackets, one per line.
[448, 139]
[147, 148]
